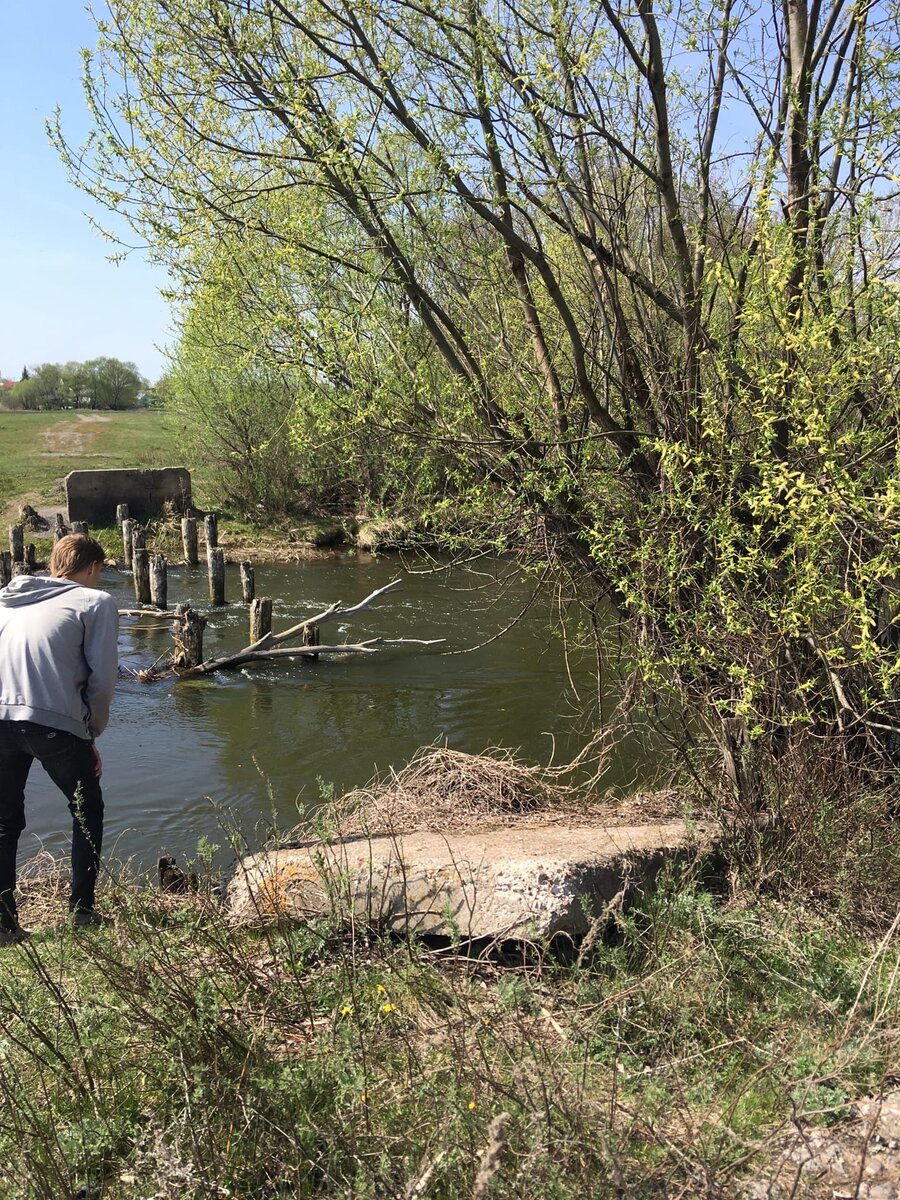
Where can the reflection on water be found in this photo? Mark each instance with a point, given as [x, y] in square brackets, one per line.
[253, 746]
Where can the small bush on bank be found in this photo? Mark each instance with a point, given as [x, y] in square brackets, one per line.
[176, 1055]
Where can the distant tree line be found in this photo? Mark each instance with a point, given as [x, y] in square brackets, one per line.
[100, 383]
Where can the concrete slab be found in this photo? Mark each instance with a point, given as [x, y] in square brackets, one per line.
[509, 883]
[93, 496]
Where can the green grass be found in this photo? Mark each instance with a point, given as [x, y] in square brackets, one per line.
[176, 1055]
[38, 449]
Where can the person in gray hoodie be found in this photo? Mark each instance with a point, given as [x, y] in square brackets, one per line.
[58, 667]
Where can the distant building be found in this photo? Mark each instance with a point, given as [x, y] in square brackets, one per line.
[6, 384]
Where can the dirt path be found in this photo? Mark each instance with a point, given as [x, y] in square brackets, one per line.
[70, 437]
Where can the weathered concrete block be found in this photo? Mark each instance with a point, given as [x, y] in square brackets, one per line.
[509, 883]
[93, 496]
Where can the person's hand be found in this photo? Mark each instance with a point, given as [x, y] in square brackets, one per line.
[98, 763]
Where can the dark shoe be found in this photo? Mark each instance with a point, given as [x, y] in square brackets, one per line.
[12, 937]
[89, 918]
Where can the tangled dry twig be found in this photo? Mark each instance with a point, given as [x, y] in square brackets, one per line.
[445, 789]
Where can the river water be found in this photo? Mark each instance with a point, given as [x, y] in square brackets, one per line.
[246, 750]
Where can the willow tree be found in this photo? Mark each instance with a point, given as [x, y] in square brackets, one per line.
[633, 267]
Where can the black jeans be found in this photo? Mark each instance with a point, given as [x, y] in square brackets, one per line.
[69, 761]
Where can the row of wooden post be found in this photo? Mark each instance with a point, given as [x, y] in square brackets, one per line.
[21, 559]
[150, 572]
[150, 582]
[61, 528]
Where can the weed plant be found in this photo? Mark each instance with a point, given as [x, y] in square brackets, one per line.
[176, 1055]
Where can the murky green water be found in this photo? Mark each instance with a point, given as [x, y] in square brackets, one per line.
[248, 748]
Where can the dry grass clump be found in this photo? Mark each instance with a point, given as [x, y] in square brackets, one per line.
[387, 533]
[443, 789]
[43, 891]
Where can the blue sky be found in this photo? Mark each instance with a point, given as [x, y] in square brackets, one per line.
[60, 297]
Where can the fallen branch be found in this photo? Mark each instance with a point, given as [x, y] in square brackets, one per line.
[372, 646]
[167, 614]
[331, 613]
[270, 648]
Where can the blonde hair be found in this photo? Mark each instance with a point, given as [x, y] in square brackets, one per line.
[73, 553]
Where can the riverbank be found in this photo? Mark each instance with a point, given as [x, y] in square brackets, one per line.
[41, 448]
[678, 1056]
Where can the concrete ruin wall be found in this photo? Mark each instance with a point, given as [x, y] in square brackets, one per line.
[94, 495]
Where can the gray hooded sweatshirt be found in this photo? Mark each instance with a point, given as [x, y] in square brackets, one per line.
[58, 654]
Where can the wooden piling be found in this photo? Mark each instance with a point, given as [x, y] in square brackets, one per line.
[31, 558]
[80, 527]
[188, 633]
[20, 568]
[311, 637]
[141, 567]
[5, 567]
[248, 581]
[127, 543]
[138, 537]
[215, 561]
[59, 530]
[159, 587]
[17, 543]
[211, 529]
[121, 514]
[189, 540]
[260, 618]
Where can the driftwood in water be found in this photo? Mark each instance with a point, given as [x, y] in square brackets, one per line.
[17, 543]
[269, 647]
[215, 562]
[260, 619]
[150, 611]
[5, 567]
[142, 575]
[189, 540]
[159, 587]
[248, 582]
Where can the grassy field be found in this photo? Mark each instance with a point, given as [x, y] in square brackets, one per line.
[38, 449]
[177, 1056]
